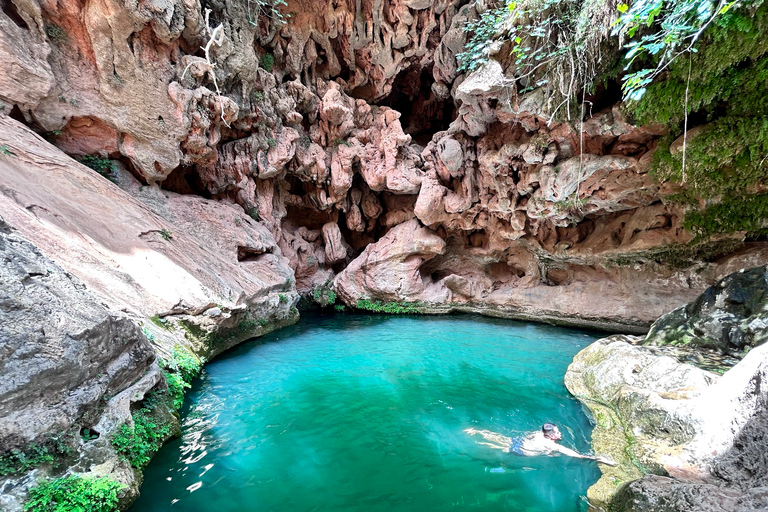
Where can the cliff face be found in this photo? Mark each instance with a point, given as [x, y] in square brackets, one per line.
[257, 157]
[351, 119]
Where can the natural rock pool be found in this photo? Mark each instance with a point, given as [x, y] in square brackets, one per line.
[353, 413]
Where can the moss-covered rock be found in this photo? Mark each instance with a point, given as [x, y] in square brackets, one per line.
[634, 395]
[730, 316]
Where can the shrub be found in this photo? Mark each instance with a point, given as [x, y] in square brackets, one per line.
[390, 308]
[182, 367]
[49, 451]
[56, 33]
[75, 493]
[268, 62]
[136, 444]
[324, 296]
[103, 166]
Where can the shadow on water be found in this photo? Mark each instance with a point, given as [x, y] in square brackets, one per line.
[367, 413]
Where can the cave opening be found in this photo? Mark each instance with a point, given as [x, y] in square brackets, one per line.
[186, 180]
[605, 95]
[422, 113]
[10, 10]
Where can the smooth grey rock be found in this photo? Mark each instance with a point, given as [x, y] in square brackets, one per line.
[654, 493]
[708, 433]
[60, 350]
[451, 154]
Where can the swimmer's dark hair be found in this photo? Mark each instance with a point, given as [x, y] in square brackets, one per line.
[547, 428]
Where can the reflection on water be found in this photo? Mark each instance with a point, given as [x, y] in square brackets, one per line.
[353, 413]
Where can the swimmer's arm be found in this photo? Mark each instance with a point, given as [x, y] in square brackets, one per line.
[571, 453]
[599, 458]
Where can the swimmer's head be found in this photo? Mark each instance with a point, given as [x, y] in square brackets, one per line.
[551, 431]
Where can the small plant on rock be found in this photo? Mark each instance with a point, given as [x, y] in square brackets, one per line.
[268, 62]
[103, 166]
[138, 442]
[75, 493]
[55, 33]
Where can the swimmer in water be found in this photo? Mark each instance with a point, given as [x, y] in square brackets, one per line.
[541, 442]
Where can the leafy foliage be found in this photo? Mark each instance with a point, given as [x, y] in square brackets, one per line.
[75, 493]
[558, 43]
[50, 451]
[268, 62]
[138, 442]
[390, 308]
[324, 296]
[103, 166]
[667, 30]
[483, 34]
[56, 34]
[268, 8]
[180, 370]
[725, 84]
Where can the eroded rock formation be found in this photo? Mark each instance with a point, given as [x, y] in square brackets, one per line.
[358, 117]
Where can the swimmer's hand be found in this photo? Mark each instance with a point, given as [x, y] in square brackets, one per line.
[603, 459]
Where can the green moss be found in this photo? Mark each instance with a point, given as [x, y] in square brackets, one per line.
[194, 332]
[679, 256]
[731, 214]
[727, 160]
[248, 327]
[75, 493]
[161, 322]
[390, 308]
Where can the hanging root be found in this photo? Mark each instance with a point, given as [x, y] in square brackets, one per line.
[215, 36]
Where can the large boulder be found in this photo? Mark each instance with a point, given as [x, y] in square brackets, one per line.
[62, 350]
[147, 252]
[731, 316]
[702, 434]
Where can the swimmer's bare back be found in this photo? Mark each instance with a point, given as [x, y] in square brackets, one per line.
[531, 445]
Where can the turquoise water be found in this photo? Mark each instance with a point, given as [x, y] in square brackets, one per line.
[366, 413]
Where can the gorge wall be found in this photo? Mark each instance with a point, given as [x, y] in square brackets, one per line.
[334, 151]
[349, 132]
